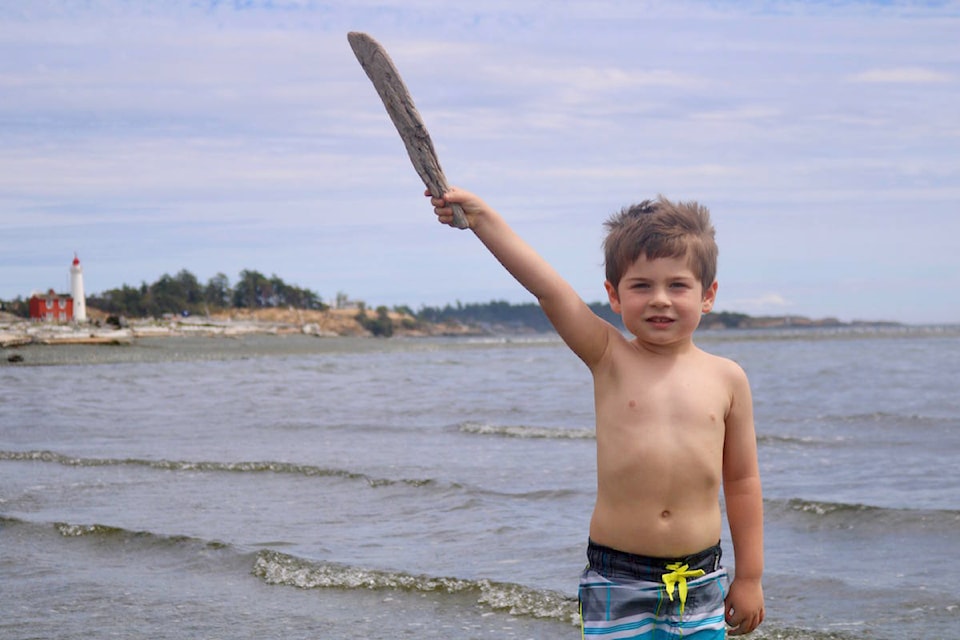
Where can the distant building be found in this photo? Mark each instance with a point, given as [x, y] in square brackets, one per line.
[51, 307]
[62, 307]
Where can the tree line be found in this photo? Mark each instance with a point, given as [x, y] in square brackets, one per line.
[183, 293]
[502, 314]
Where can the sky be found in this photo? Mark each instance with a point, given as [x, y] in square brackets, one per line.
[154, 136]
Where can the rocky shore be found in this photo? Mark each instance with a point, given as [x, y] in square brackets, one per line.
[15, 331]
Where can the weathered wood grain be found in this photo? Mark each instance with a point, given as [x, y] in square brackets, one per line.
[402, 111]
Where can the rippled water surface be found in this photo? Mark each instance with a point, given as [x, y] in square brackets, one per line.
[296, 487]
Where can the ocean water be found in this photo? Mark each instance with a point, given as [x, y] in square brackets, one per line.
[296, 487]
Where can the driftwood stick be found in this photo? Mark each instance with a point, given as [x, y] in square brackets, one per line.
[396, 98]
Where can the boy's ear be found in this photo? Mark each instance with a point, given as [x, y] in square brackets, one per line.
[709, 297]
[613, 296]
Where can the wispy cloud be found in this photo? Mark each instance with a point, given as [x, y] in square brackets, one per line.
[903, 75]
[773, 303]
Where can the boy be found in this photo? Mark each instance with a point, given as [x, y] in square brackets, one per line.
[672, 423]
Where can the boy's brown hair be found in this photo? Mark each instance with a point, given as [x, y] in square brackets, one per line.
[661, 229]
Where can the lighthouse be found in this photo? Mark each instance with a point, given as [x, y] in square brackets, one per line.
[76, 291]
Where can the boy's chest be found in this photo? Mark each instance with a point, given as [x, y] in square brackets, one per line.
[684, 403]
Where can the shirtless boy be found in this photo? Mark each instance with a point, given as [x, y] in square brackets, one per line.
[673, 425]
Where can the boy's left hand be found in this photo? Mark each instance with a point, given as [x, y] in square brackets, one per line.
[744, 605]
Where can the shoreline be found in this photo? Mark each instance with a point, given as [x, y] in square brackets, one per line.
[18, 332]
[333, 323]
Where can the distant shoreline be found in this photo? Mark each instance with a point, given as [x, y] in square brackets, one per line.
[18, 332]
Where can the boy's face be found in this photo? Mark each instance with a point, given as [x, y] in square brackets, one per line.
[661, 300]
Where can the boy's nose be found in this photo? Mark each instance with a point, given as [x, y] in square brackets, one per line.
[660, 297]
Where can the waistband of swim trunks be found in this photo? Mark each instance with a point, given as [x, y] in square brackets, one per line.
[614, 563]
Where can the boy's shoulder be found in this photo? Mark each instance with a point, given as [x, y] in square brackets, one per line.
[693, 357]
[729, 373]
[723, 364]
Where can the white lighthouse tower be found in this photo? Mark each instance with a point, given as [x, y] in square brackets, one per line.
[76, 290]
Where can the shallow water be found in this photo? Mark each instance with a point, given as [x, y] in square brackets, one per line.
[303, 487]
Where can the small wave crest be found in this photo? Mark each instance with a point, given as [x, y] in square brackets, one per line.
[208, 466]
[766, 439]
[819, 508]
[107, 532]
[525, 432]
[97, 530]
[848, 515]
[277, 568]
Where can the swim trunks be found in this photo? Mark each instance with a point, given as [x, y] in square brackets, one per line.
[624, 596]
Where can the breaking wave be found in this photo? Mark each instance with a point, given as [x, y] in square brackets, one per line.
[850, 515]
[277, 568]
[282, 569]
[225, 467]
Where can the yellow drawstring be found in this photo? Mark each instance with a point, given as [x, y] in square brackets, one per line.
[678, 577]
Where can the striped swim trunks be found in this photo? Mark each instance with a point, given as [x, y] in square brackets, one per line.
[624, 596]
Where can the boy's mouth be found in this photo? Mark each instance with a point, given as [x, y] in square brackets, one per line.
[659, 320]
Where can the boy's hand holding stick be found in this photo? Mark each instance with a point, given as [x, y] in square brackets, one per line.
[386, 79]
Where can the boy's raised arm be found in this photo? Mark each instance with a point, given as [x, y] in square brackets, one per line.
[583, 331]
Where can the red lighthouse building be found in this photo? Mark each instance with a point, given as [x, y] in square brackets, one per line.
[62, 307]
[51, 307]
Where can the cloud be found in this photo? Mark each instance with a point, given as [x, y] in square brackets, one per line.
[902, 75]
[215, 136]
[765, 303]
